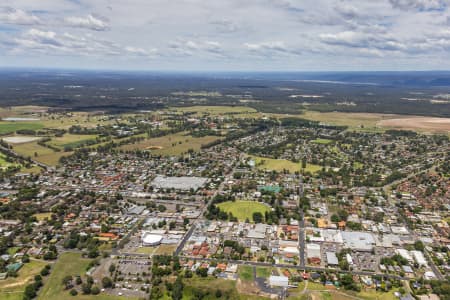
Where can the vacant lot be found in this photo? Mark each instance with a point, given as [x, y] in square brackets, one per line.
[425, 124]
[245, 273]
[172, 144]
[12, 288]
[212, 284]
[243, 209]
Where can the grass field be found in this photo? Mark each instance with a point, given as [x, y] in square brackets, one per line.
[245, 273]
[264, 163]
[3, 162]
[70, 140]
[322, 141]
[67, 264]
[43, 216]
[12, 288]
[263, 272]
[355, 121]
[243, 209]
[11, 127]
[44, 154]
[172, 144]
[217, 110]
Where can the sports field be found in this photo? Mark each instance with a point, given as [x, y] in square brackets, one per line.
[172, 144]
[270, 164]
[70, 140]
[243, 209]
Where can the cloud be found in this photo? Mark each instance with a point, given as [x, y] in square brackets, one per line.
[91, 22]
[52, 43]
[225, 26]
[9, 15]
[183, 47]
[367, 40]
[423, 5]
[270, 48]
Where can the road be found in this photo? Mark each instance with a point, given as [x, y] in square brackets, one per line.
[189, 233]
[301, 239]
[287, 266]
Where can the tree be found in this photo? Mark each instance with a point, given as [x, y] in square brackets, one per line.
[257, 217]
[107, 282]
[86, 288]
[95, 290]
[112, 268]
[177, 292]
[418, 245]
[73, 292]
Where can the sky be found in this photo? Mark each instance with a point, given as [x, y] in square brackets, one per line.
[226, 35]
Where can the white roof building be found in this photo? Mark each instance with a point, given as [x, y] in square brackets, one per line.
[419, 258]
[282, 281]
[405, 254]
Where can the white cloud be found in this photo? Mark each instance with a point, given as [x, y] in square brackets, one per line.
[270, 48]
[418, 4]
[11, 15]
[52, 43]
[91, 22]
[189, 47]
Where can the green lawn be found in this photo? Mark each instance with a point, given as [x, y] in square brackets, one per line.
[245, 273]
[243, 209]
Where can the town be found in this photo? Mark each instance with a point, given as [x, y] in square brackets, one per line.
[222, 202]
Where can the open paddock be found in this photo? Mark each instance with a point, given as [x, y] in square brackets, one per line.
[422, 124]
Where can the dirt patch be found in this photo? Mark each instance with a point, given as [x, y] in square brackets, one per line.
[250, 288]
[21, 139]
[427, 124]
[154, 148]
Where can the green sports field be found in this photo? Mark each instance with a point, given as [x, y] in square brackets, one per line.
[243, 209]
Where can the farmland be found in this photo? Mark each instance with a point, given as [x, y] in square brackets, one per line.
[243, 209]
